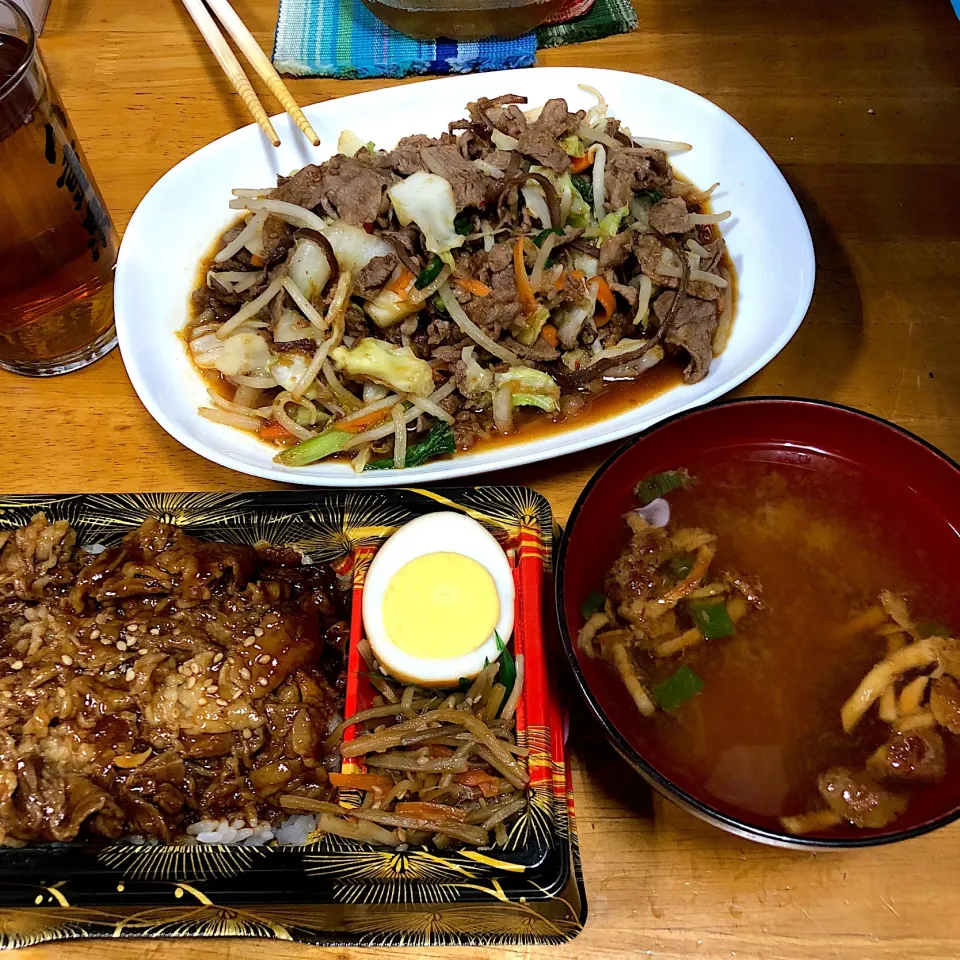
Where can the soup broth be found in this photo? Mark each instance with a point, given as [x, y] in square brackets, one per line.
[821, 547]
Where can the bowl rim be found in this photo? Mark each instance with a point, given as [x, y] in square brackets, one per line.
[663, 784]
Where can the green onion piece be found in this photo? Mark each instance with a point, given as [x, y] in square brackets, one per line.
[932, 629]
[543, 234]
[439, 441]
[593, 604]
[507, 674]
[661, 484]
[677, 689]
[584, 186]
[463, 224]
[655, 195]
[438, 304]
[314, 449]
[681, 565]
[710, 617]
[429, 273]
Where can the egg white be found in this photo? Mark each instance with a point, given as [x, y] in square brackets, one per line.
[440, 532]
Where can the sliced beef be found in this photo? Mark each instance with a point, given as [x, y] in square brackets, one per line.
[649, 251]
[501, 307]
[692, 329]
[405, 241]
[305, 188]
[376, 273]
[627, 293]
[448, 353]
[487, 115]
[405, 158]
[540, 350]
[471, 188]
[860, 799]
[916, 755]
[631, 169]
[469, 429]
[670, 216]
[615, 250]
[540, 139]
[355, 189]
[441, 332]
[356, 324]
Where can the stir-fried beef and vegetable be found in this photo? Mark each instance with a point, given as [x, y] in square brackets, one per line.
[396, 305]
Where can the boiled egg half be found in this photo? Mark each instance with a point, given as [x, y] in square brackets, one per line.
[437, 595]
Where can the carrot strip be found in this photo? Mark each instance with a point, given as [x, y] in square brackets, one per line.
[606, 300]
[256, 261]
[475, 287]
[429, 811]
[400, 284]
[271, 430]
[359, 424]
[579, 164]
[488, 784]
[527, 300]
[361, 781]
[549, 333]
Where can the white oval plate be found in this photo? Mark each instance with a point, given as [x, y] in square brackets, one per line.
[178, 220]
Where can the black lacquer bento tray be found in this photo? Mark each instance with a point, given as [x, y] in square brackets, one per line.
[331, 891]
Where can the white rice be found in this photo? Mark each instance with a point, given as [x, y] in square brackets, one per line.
[225, 831]
[296, 829]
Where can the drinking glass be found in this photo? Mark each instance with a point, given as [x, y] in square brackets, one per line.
[58, 246]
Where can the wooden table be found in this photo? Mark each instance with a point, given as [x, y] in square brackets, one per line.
[858, 103]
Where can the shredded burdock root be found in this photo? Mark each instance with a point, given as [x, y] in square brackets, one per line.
[926, 663]
[445, 766]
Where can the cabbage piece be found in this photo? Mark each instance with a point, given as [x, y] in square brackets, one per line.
[531, 388]
[427, 200]
[572, 146]
[243, 353]
[309, 269]
[291, 326]
[387, 309]
[396, 367]
[288, 369]
[609, 226]
[353, 247]
[477, 380]
[577, 209]
[349, 144]
[529, 331]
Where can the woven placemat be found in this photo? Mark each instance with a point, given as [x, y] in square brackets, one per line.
[342, 38]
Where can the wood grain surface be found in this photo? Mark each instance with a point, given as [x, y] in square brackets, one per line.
[859, 104]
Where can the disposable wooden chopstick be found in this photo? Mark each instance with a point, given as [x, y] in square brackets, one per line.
[231, 66]
[261, 63]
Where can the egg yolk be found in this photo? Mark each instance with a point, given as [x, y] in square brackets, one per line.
[440, 605]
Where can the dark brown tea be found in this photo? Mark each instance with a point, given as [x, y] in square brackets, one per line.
[57, 244]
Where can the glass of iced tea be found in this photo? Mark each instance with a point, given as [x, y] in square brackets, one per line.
[57, 243]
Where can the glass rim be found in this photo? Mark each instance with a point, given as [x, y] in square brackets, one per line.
[21, 16]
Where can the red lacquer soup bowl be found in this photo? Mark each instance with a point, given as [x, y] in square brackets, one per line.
[888, 478]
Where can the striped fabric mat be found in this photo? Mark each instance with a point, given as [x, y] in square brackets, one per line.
[341, 38]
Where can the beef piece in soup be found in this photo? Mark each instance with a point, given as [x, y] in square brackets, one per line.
[855, 797]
